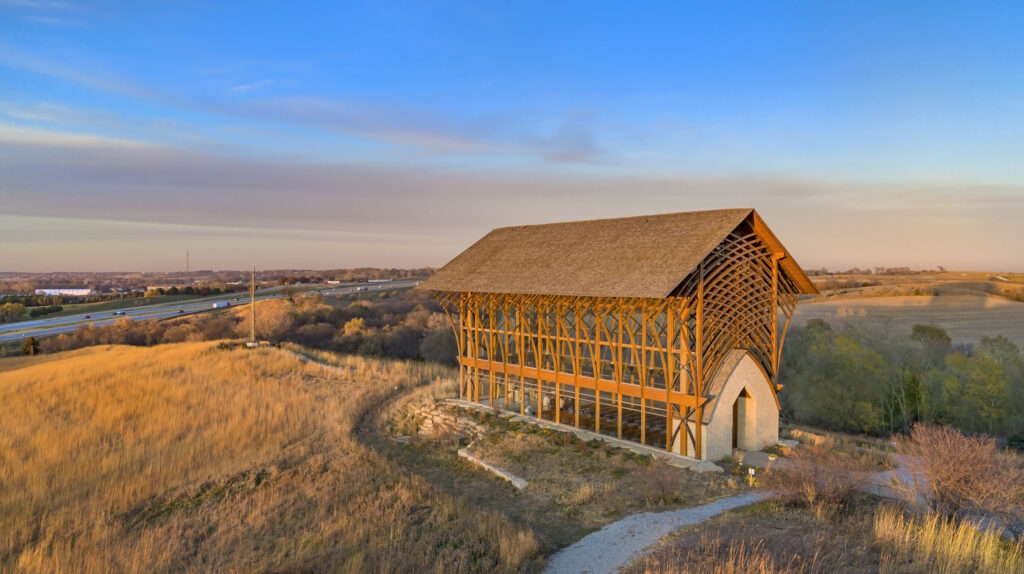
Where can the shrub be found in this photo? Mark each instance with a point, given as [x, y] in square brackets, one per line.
[823, 474]
[954, 474]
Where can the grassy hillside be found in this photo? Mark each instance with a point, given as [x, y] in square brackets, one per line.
[188, 457]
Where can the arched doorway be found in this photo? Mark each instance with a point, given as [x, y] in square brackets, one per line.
[742, 420]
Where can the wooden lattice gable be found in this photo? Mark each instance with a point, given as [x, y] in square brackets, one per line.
[742, 285]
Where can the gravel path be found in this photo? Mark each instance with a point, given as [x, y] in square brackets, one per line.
[612, 547]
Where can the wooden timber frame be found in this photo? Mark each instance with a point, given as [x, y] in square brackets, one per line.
[634, 367]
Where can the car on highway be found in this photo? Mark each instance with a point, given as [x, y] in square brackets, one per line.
[87, 317]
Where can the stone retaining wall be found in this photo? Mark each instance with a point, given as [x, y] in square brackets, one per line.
[439, 421]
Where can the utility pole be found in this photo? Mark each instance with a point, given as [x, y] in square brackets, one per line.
[186, 261]
[252, 309]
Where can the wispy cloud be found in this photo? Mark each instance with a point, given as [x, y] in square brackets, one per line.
[251, 87]
[393, 124]
[73, 72]
[38, 4]
[50, 21]
[823, 223]
[16, 134]
[421, 128]
[574, 142]
[382, 122]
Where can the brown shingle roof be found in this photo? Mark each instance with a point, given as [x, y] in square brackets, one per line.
[646, 256]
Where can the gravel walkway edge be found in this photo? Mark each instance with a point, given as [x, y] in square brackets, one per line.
[615, 545]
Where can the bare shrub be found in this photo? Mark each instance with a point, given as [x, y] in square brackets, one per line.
[955, 474]
[216, 327]
[822, 473]
[179, 333]
[661, 483]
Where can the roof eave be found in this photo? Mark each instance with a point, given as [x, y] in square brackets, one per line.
[793, 269]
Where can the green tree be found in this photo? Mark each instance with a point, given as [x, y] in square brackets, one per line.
[11, 312]
[975, 394]
[832, 379]
[935, 341]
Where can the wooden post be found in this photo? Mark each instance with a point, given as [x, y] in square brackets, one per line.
[699, 366]
[463, 342]
[618, 369]
[504, 346]
[576, 366]
[539, 359]
[669, 366]
[643, 376]
[557, 363]
[519, 354]
[596, 360]
[491, 390]
[476, 349]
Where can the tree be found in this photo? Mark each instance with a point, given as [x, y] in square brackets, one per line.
[289, 293]
[976, 395]
[11, 312]
[935, 341]
[439, 346]
[31, 347]
[274, 319]
[354, 326]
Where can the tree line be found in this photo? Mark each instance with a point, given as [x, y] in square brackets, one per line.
[408, 325]
[856, 380]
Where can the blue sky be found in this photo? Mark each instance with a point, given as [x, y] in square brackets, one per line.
[395, 134]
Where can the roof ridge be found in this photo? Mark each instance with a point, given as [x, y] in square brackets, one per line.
[649, 215]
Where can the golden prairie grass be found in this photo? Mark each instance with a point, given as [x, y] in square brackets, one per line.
[866, 536]
[191, 458]
[711, 556]
[933, 545]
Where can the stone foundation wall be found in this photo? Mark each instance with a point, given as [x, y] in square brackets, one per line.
[439, 421]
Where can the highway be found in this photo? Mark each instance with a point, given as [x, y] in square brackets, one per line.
[39, 328]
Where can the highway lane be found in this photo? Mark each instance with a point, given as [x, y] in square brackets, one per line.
[46, 328]
[135, 311]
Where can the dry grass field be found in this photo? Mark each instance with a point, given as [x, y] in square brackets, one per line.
[188, 457]
[575, 486]
[1009, 285]
[967, 318]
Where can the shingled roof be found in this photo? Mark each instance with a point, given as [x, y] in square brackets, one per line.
[645, 256]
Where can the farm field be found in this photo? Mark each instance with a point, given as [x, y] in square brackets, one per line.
[1010, 285]
[191, 457]
[966, 318]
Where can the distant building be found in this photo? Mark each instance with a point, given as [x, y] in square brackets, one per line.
[666, 330]
[65, 291]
